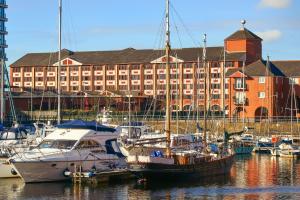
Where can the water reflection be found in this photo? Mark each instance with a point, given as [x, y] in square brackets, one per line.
[252, 177]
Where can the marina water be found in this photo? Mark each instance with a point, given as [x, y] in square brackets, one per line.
[259, 176]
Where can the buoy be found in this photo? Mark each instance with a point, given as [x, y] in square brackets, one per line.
[142, 181]
[13, 172]
[67, 173]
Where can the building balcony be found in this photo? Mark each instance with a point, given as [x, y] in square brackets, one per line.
[3, 4]
[3, 18]
[240, 101]
[240, 86]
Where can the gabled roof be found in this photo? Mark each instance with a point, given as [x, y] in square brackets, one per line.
[259, 68]
[124, 56]
[290, 68]
[243, 34]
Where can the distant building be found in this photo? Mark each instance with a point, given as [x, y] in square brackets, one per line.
[100, 74]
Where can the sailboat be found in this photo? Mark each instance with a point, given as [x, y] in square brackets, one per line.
[177, 162]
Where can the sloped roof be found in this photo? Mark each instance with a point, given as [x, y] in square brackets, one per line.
[128, 55]
[289, 67]
[275, 68]
[258, 68]
[243, 34]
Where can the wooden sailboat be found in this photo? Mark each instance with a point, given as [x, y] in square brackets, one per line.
[177, 163]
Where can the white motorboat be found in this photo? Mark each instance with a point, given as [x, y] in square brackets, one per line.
[13, 141]
[74, 144]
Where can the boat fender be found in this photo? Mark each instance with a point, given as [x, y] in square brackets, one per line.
[141, 181]
[67, 173]
[93, 169]
[13, 172]
[90, 174]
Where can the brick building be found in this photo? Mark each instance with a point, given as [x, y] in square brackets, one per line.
[141, 73]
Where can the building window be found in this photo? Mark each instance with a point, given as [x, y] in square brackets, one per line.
[98, 78]
[200, 86]
[240, 98]
[99, 87]
[261, 95]
[187, 65]
[161, 76]
[122, 67]
[215, 86]
[215, 75]
[63, 69]
[110, 87]
[239, 83]
[85, 68]
[148, 77]
[122, 77]
[16, 69]
[293, 81]
[74, 78]
[17, 79]
[135, 77]
[110, 78]
[187, 96]
[215, 96]
[110, 67]
[51, 79]
[123, 87]
[215, 64]
[74, 68]
[148, 87]
[27, 79]
[39, 69]
[39, 79]
[86, 78]
[229, 64]
[188, 76]
[27, 69]
[135, 67]
[86, 88]
[261, 79]
[74, 88]
[135, 87]
[98, 68]
[148, 66]
[63, 78]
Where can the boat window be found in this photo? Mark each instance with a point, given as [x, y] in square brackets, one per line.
[88, 144]
[135, 132]
[57, 144]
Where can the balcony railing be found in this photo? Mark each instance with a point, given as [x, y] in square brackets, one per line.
[240, 101]
[240, 86]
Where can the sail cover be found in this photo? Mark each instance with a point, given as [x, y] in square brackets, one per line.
[80, 124]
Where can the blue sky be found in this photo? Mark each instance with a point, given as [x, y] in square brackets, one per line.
[118, 24]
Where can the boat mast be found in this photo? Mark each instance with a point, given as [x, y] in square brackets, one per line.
[205, 86]
[2, 91]
[59, 60]
[168, 49]
[224, 84]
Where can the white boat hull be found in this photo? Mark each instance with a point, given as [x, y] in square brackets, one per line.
[49, 171]
[6, 171]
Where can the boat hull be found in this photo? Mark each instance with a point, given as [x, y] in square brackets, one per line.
[50, 171]
[205, 169]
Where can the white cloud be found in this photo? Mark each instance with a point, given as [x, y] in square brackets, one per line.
[270, 35]
[275, 3]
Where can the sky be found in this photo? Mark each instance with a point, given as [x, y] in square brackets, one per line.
[95, 25]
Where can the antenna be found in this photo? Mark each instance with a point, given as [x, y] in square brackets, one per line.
[243, 22]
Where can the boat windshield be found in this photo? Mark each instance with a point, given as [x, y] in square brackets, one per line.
[57, 144]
